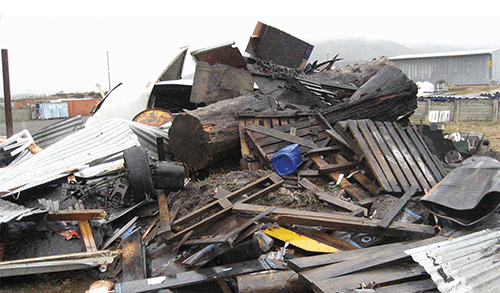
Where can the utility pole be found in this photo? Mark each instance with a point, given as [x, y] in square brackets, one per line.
[109, 74]
[6, 94]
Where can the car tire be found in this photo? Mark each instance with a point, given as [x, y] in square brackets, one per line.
[139, 171]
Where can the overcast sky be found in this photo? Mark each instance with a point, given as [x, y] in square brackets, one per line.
[63, 46]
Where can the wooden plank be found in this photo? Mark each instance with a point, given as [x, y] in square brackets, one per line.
[368, 155]
[341, 128]
[325, 238]
[281, 135]
[75, 215]
[133, 263]
[397, 248]
[224, 286]
[376, 153]
[391, 144]
[146, 237]
[393, 163]
[423, 152]
[271, 282]
[414, 167]
[336, 167]
[426, 285]
[380, 277]
[308, 163]
[350, 188]
[322, 150]
[337, 137]
[260, 152]
[272, 178]
[267, 122]
[192, 277]
[299, 240]
[245, 150]
[434, 158]
[86, 231]
[225, 203]
[415, 155]
[322, 195]
[164, 214]
[389, 217]
[358, 176]
[274, 181]
[336, 221]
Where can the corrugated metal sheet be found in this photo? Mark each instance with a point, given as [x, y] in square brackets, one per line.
[455, 68]
[469, 263]
[57, 131]
[445, 54]
[83, 149]
[10, 211]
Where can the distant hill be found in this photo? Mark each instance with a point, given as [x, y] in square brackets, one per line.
[360, 49]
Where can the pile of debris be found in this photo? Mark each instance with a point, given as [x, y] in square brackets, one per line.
[313, 181]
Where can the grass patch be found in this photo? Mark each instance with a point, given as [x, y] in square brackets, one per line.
[490, 129]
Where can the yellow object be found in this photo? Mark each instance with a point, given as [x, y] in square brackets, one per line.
[298, 240]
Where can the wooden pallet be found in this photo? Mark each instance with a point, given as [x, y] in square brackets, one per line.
[262, 136]
[397, 156]
[220, 207]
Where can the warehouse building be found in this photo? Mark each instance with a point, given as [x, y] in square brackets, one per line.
[475, 67]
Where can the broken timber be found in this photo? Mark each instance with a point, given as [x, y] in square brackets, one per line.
[261, 136]
[336, 221]
[133, 262]
[396, 156]
[196, 276]
[323, 270]
[387, 96]
[220, 207]
[331, 199]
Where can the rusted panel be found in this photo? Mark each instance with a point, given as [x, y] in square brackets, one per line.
[226, 54]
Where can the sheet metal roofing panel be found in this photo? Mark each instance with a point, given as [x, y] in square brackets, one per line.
[470, 263]
[445, 54]
[77, 151]
[10, 211]
[55, 132]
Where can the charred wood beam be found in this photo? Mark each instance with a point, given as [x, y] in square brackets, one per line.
[337, 221]
[387, 96]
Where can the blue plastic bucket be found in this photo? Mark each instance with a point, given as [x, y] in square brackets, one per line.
[286, 160]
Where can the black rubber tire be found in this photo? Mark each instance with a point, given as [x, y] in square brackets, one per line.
[139, 171]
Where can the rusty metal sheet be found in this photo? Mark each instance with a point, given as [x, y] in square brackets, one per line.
[226, 54]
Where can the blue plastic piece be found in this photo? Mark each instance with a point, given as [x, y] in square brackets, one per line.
[286, 160]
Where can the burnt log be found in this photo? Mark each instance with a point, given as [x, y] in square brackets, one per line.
[208, 135]
[387, 96]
